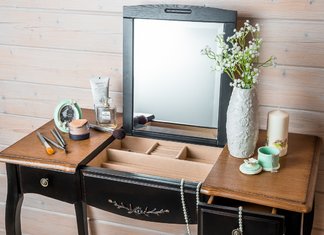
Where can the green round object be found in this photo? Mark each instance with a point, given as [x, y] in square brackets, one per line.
[250, 169]
[66, 111]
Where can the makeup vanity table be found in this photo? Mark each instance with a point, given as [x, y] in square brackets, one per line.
[271, 202]
[173, 168]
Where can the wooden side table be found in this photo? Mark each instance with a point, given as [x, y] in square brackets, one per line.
[31, 170]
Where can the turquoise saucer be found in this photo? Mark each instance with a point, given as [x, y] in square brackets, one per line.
[250, 169]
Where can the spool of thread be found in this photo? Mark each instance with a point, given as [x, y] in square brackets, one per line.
[79, 129]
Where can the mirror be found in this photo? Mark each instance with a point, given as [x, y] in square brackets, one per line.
[166, 78]
[168, 65]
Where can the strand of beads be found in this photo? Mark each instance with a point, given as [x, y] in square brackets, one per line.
[183, 203]
[240, 220]
[197, 194]
[184, 209]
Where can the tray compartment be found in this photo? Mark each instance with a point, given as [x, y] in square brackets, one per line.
[140, 178]
[159, 149]
[158, 158]
[156, 165]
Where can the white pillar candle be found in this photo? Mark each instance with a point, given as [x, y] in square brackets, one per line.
[277, 134]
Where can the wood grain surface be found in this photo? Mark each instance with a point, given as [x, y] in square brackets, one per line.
[291, 188]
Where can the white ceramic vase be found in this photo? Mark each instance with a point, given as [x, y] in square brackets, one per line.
[242, 126]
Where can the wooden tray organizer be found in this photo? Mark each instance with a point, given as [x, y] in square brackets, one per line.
[159, 158]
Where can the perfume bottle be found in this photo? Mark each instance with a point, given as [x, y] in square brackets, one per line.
[106, 113]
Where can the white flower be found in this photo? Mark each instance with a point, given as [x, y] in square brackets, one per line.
[238, 55]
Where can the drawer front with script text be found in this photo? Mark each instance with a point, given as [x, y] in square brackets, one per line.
[148, 179]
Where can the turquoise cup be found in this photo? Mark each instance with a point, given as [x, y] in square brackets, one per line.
[268, 158]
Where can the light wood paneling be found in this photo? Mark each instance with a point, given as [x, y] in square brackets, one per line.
[273, 30]
[319, 211]
[58, 67]
[40, 103]
[111, 6]
[39, 222]
[79, 31]
[2, 147]
[50, 49]
[283, 86]
[285, 9]
[296, 54]
[14, 127]
[2, 169]
[260, 9]
[2, 216]
[3, 188]
[320, 181]
[101, 227]
[317, 232]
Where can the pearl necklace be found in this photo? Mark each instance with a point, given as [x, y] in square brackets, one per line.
[240, 219]
[183, 203]
[239, 230]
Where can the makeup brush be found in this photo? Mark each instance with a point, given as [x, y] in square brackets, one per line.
[119, 134]
[59, 139]
[142, 119]
[53, 142]
[49, 149]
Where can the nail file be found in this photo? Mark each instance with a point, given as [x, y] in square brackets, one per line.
[48, 148]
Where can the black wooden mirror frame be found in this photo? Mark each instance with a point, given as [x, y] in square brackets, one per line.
[178, 13]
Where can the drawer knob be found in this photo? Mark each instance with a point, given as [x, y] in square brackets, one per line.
[44, 182]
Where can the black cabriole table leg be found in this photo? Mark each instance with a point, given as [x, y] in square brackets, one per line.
[14, 201]
[81, 216]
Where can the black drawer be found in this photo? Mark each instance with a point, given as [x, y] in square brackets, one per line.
[139, 196]
[222, 220]
[141, 178]
[59, 185]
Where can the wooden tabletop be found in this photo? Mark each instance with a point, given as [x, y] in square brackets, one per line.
[30, 152]
[292, 188]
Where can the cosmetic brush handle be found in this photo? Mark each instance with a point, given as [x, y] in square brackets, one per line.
[58, 138]
[49, 149]
[59, 135]
[53, 143]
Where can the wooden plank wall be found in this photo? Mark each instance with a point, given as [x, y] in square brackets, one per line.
[50, 49]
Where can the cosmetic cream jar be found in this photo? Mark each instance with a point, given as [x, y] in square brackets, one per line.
[79, 129]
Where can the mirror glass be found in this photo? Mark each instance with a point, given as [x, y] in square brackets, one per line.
[172, 79]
